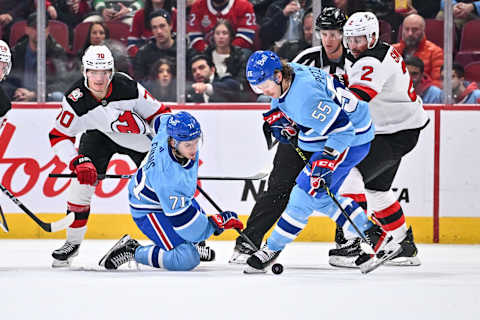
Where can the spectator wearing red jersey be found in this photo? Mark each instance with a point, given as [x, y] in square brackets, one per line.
[203, 17]
[141, 30]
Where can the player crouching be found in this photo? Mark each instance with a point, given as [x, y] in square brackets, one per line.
[161, 196]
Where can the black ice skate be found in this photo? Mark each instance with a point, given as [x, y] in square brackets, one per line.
[260, 260]
[206, 253]
[408, 255]
[63, 256]
[383, 245]
[122, 252]
[345, 254]
[241, 253]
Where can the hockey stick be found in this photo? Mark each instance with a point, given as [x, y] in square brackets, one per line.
[257, 176]
[48, 227]
[366, 246]
[3, 223]
[215, 205]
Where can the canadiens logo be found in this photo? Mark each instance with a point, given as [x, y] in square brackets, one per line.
[206, 21]
[75, 95]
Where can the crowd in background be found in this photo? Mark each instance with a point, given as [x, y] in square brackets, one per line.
[221, 34]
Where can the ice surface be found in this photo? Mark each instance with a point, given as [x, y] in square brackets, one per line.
[446, 286]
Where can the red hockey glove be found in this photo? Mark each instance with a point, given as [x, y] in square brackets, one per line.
[85, 170]
[322, 170]
[281, 127]
[225, 220]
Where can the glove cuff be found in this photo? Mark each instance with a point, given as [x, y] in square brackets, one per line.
[78, 160]
[330, 153]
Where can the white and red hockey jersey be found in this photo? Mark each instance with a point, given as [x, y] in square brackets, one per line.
[203, 17]
[380, 77]
[124, 115]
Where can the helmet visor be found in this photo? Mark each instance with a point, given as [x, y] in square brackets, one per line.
[262, 87]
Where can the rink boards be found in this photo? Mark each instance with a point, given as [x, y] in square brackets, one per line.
[437, 183]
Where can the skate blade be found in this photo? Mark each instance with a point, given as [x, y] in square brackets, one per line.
[404, 262]
[377, 262]
[239, 258]
[119, 243]
[250, 270]
[64, 263]
[343, 262]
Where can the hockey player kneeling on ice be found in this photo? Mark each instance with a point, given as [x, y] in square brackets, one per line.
[337, 129]
[115, 114]
[162, 204]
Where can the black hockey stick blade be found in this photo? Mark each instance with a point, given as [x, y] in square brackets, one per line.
[217, 207]
[3, 222]
[257, 176]
[46, 226]
[377, 262]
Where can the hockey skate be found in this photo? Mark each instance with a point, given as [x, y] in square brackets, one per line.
[206, 253]
[241, 253]
[261, 259]
[345, 254]
[408, 255]
[63, 256]
[122, 252]
[384, 246]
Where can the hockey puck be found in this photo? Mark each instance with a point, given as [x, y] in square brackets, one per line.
[277, 268]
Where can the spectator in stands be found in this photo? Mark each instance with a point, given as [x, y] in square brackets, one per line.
[97, 34]
[72, 12]
[428, 9]
[463, 92]
[463, 11]
[162, 45]
[415, 43]
[351, 6]
[283, 22]
[422, 82]
[107, 11]
[23, 77]
[228, 59]
[205, 13]
[290, 49]
[12, 11]
[141, 30]
[207, 86]
[163, 86]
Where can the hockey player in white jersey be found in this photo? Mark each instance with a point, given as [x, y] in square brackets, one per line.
[5, 66]
[114, 114]
[379, 76]
[162, 203]
[336, 128]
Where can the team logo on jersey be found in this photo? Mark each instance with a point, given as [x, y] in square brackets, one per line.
[129, 122]
[206, 21]
[75, 95]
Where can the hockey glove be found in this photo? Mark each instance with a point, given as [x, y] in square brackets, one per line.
[85, 170]
[225, 220]
[322, 169]
[281, 127]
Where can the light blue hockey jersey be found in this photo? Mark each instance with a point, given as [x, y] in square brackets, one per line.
[326, 112]
[162, 184]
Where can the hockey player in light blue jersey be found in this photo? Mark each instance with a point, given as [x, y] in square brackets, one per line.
[335, 127]
[162, 203]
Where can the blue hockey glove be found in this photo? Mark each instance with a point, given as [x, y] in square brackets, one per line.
[225, 220]
[282, 128]
[322, 169]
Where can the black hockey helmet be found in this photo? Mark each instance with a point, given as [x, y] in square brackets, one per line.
[331, 18]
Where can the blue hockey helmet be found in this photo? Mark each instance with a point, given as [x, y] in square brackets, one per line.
[261, 67]
[183, 126]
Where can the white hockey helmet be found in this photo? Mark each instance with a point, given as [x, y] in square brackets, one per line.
[5, 56]
[362, 24]
[97, 58]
